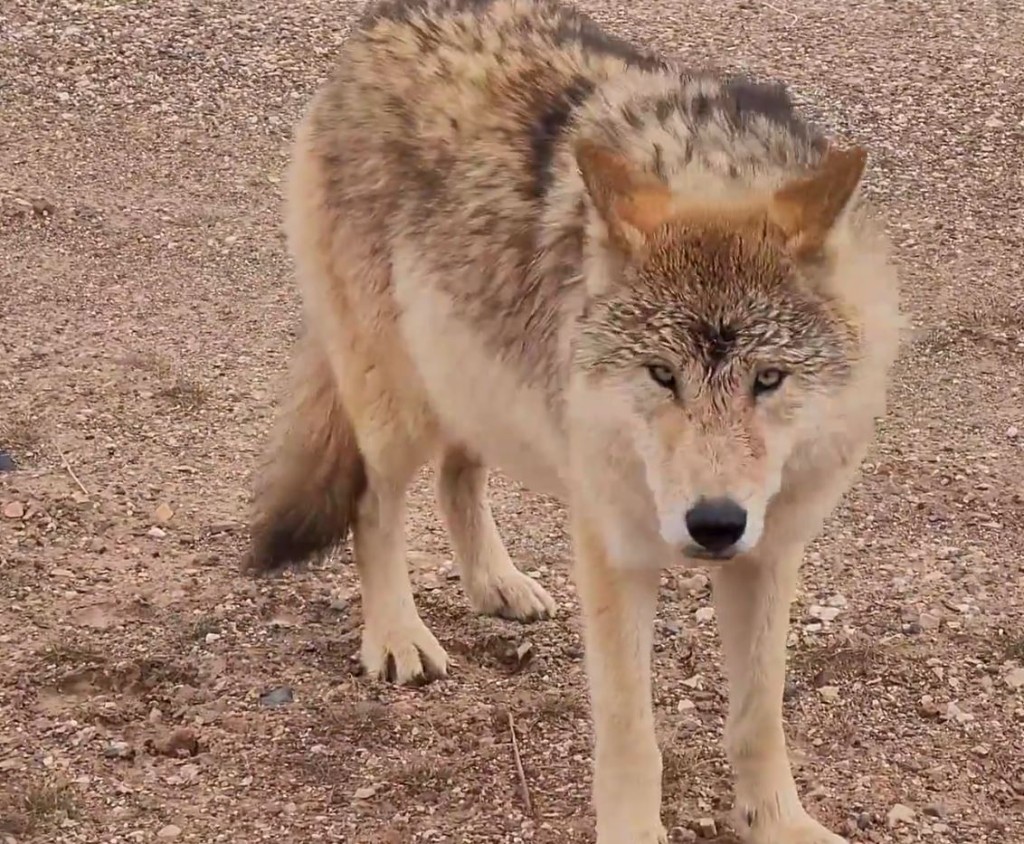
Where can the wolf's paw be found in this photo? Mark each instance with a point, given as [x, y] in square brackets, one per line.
[404, 652]
[512, 595]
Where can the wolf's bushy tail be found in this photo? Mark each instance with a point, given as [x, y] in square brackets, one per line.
[309, 487]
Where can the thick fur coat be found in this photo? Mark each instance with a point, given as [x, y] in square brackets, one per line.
[523, 243]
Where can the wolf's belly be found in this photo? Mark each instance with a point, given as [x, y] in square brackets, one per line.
[483, 403]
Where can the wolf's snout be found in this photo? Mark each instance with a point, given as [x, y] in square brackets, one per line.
[716, 524]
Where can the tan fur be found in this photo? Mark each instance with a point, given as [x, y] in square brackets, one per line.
[522, 243]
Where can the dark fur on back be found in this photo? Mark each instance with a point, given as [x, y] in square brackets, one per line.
[549, 127]
[462, 115]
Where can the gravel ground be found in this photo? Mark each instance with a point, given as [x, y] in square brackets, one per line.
[148, 692]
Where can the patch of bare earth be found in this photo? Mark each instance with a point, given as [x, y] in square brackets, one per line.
[148, 692]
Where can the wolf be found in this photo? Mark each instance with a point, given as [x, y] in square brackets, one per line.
[658, 294]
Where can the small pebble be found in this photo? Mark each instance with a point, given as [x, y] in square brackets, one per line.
[824, 613]
[181, 742]
[955, 713]
[365, 793]
[900, 814]
[1015, 679]
[118, 750]
[693, 585]
[277, 697]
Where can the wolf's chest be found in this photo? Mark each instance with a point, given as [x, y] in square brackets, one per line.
[484, 400]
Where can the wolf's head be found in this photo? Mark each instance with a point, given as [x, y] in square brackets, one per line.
[715, 335]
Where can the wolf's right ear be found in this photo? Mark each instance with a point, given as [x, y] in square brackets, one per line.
[631, 203]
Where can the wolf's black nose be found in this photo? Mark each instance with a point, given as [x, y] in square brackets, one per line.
[716, 524]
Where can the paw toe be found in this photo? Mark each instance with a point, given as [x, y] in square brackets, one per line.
[517, 597]
[405, 656]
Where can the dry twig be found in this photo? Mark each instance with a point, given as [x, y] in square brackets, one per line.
[528, 804]
[74, 477]
[782, 11]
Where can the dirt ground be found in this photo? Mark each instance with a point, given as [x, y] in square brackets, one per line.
[148, 692]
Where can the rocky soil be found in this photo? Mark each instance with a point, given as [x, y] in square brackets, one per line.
[148, 692]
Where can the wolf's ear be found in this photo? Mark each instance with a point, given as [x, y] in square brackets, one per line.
[805, 210]
[631, 203]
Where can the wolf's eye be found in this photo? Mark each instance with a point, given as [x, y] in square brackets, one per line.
[768, 380]
[662, 375]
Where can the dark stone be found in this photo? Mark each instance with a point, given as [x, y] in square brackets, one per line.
[281, 696]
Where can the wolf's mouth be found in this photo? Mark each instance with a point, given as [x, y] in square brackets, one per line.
[703, 555]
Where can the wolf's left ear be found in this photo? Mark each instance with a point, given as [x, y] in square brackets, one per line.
[631, 202]
[806, 210]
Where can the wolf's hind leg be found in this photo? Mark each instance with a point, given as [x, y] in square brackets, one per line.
[396, 435]
[340, 245]
[397, 645]
[491, 580]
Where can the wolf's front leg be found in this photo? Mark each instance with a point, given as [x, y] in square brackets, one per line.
[752, 600]
[491, 580]
[618, 611]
